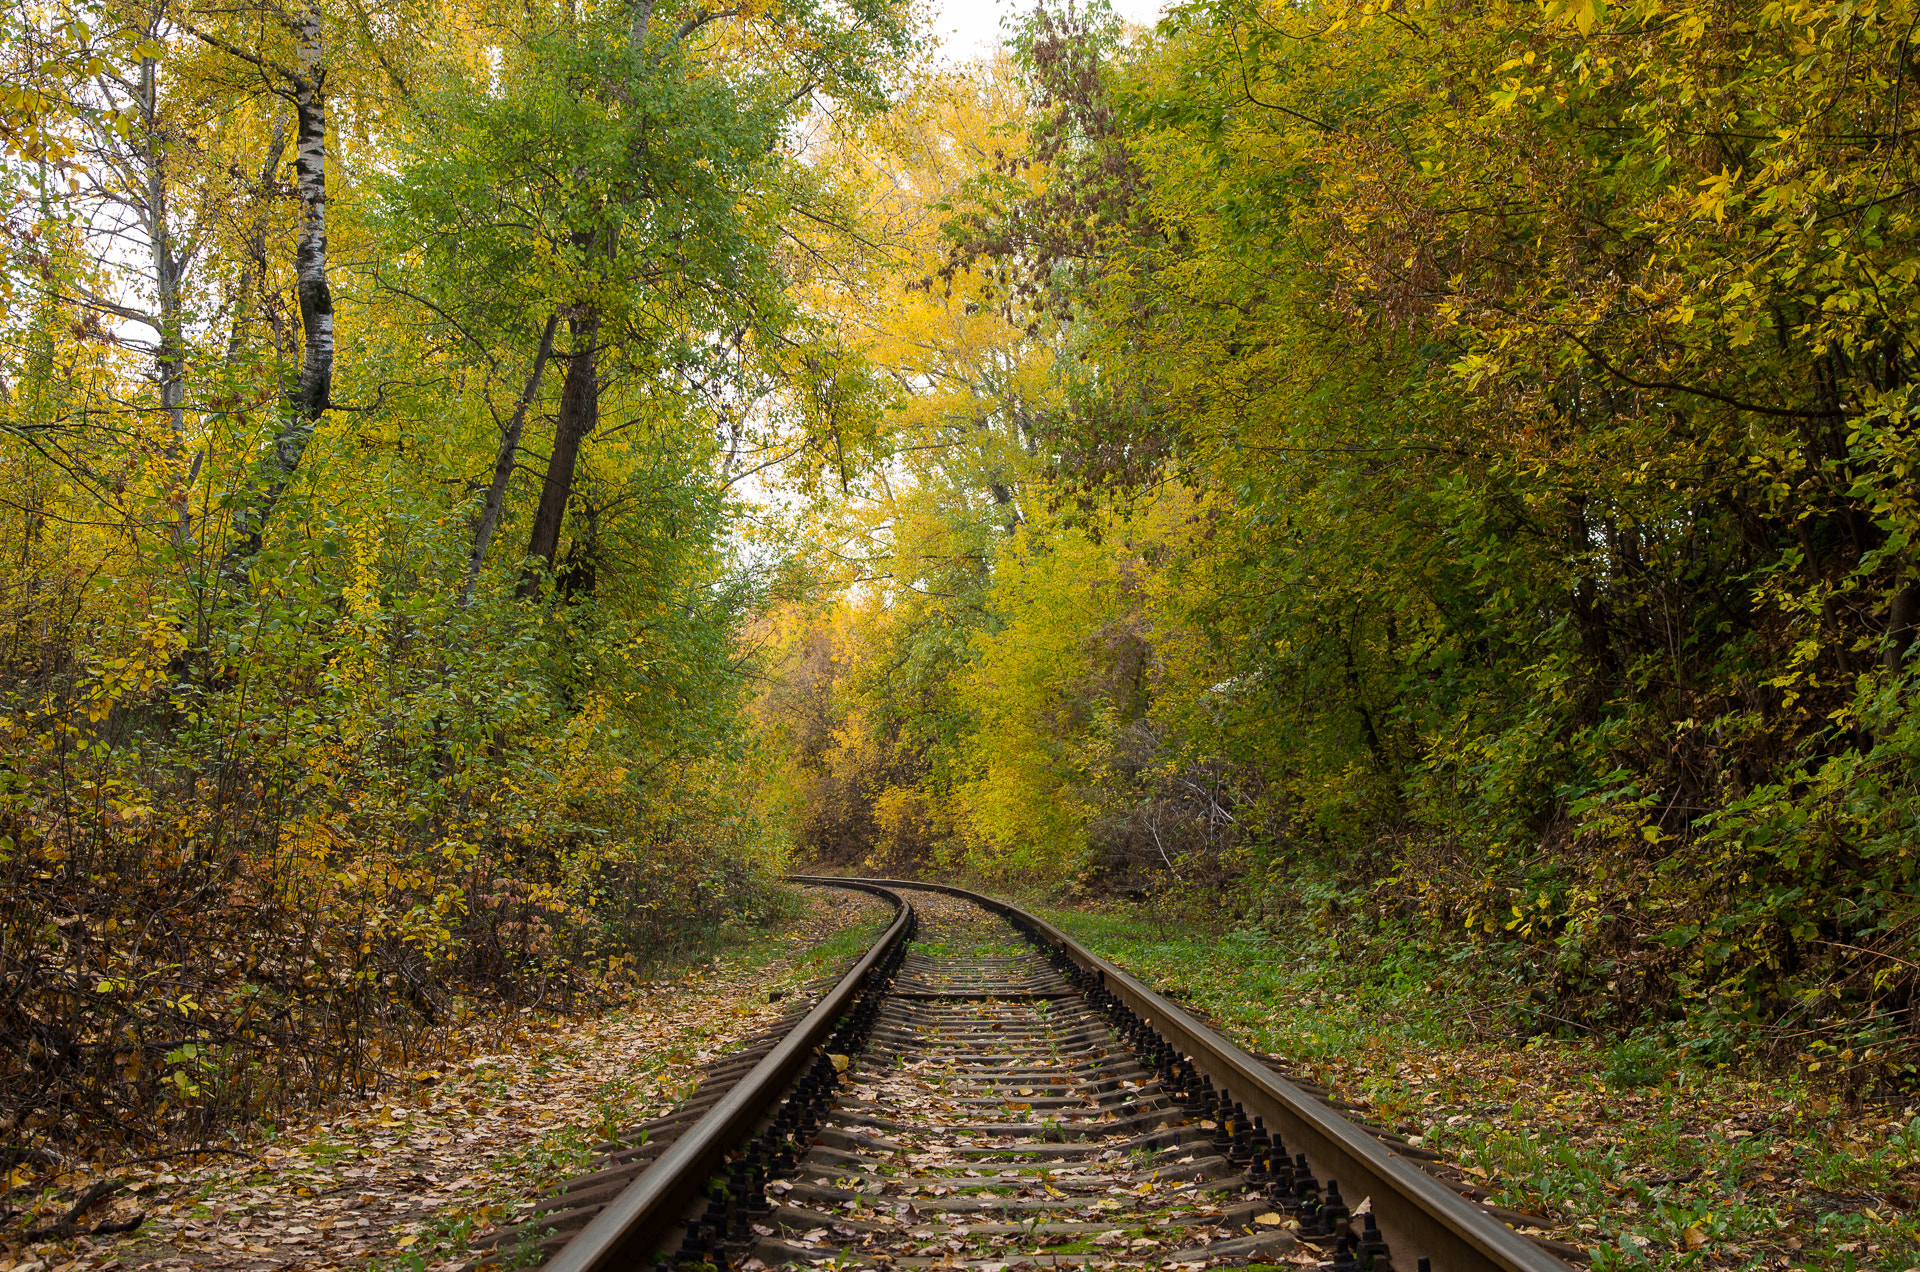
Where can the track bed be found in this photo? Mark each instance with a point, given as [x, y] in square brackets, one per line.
[995, 1117]
[981, 1093]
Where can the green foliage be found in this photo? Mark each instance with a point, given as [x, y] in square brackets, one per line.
[1474, 493]
[274, 815]
[1555, 587]
[1634, 1062]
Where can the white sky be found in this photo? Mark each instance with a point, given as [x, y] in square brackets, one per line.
[969, 28]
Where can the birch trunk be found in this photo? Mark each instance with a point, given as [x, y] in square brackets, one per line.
[307, 399]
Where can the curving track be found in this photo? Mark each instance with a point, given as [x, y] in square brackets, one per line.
[980, 1092]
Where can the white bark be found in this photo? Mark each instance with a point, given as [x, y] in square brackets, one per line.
[308, 398]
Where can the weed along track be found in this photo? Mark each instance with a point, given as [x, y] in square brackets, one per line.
[981, 1092]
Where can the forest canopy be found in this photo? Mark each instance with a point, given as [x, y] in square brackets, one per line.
[378, 384]
[1440, 471]
[483, 488]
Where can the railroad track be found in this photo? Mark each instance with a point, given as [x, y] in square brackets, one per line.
[979, 1091]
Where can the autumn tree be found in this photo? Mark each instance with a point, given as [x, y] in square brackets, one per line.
[294, 296]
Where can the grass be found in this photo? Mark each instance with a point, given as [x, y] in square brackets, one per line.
[836, 951]
[1652, 1159]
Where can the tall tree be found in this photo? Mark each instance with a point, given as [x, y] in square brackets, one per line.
[310, 392]
[646, 170]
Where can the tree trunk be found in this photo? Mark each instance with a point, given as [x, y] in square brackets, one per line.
[579, 413]
[253, 275]
[149, 151]
[1902, 613]
[1003, 498]
[637, 26]
[307, 399]
[170, 354]
[503, 466]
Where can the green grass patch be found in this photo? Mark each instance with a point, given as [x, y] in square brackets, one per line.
[1649, 1157]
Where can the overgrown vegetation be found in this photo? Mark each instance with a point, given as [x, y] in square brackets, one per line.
[478, 485]
[373, 393]
[405, 1179]
[1441, 469]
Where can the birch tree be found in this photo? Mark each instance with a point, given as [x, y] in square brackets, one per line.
[302, 83]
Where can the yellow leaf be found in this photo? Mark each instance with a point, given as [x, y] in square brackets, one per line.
[1694, 1238]
[1582, 13]
[1268, 1220]
[406, 1241]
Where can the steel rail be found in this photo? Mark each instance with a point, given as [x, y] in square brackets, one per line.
[1419, 1215]
[637, 1222]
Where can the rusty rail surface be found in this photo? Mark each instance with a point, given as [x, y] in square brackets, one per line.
[651, 1210]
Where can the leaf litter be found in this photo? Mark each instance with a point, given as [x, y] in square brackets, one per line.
[403, 1178]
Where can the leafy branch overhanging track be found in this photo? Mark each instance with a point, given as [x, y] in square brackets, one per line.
[994, 1096]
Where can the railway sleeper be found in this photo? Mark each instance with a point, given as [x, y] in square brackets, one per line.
[984, 1110]
[1109, 1159]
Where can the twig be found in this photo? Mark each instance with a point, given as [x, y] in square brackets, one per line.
[1891, 958]
[1687, 1178]
[186, 1152]
[101, 1190]
[63, 1231]
[1563, 1020]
